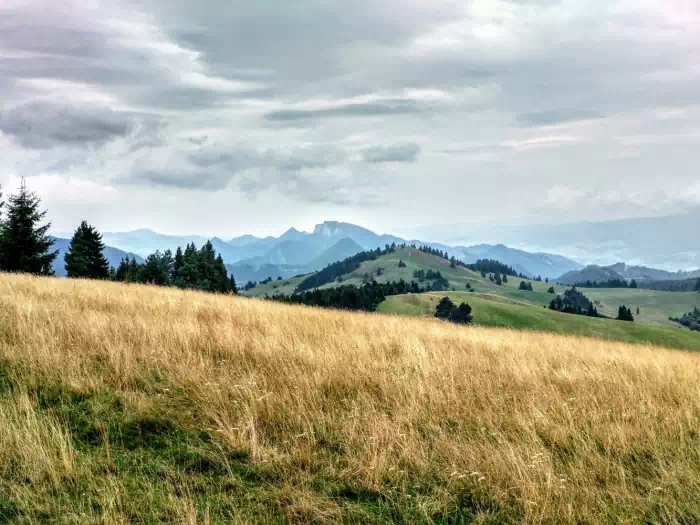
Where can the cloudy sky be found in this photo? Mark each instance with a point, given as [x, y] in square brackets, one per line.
[225, 117]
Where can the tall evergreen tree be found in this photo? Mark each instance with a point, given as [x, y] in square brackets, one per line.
[85, 257]
[24, 245]
[697, 285]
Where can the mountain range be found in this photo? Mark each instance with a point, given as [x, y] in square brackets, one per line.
[622, 271]
[295, 252]
[668, 242]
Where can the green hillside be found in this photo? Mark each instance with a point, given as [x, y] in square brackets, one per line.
[502, 312]
[507, 306]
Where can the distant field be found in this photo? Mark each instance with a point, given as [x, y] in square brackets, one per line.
[655, 306]
[135, 404]
[503, 312]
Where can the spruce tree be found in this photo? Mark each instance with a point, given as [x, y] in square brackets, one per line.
[24, 245]
[85, 257]
[697, 285]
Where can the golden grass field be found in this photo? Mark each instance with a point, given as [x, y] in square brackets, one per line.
[132, 404]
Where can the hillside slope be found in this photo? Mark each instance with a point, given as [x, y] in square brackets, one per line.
[651, 324]
[136, 404]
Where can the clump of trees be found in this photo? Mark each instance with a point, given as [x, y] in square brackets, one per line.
[492, 266]
[349, 297]
[526, 286]
[193, 269]
[574, 302]
[690, 320]
[551, 290]
[448, 311]
[25, 245]
[624, 314]
[402, 264]
[436, 281]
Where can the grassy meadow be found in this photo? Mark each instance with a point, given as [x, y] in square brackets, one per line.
[499, 311]
[133, 404]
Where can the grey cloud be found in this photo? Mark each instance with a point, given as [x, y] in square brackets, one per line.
[395, 153]
[216, 167]
[343, 78]
[346, 110]
[556, 116]
[42, 125]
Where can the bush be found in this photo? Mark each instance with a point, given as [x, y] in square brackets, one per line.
[525, 286]
[447, 311]
[444, 308]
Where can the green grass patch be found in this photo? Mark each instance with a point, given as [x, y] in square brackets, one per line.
[499, 311]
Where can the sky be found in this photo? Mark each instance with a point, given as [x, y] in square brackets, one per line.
[228, 117]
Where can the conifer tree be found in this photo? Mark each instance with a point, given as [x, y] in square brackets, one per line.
[85, 257]
[24, 245]
[178, 263]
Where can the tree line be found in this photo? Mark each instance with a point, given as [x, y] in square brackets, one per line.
[610, 283]
[350, 297]
[574, 302]
[25, 246]
[690, 320]
[485, 266]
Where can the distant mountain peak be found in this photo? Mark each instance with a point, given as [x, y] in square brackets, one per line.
[327, 229]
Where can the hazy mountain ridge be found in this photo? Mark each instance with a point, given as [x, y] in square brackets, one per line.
[296, 251]
[622, 271]
[663, 242]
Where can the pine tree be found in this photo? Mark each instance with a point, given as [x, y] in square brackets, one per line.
[85, 257]
[178, 263]
[24, 245]
[634, 284]
[697, 285]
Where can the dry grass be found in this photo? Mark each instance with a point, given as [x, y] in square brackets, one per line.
[295, 414]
